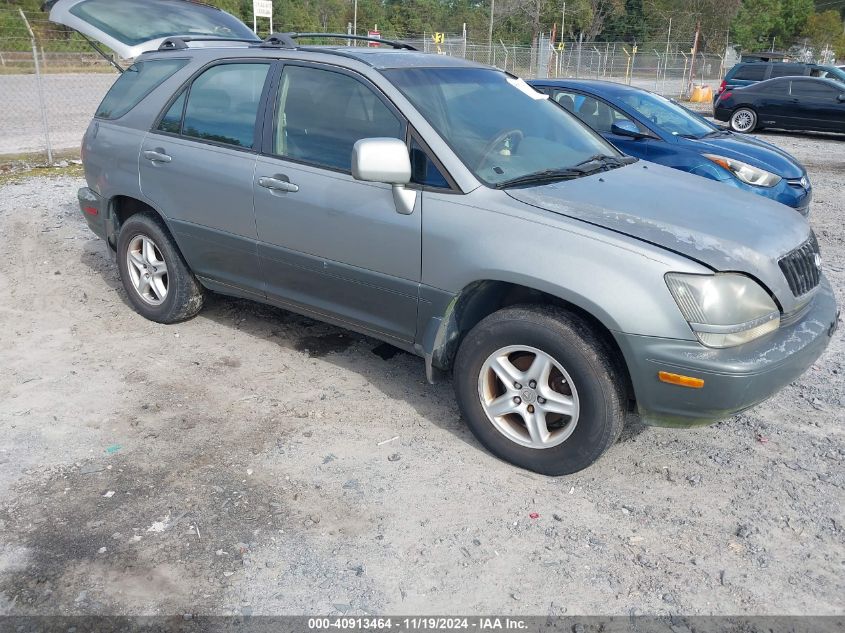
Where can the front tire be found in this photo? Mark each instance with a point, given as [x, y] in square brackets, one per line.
[540, 389]
[157, 280]
[743, 120]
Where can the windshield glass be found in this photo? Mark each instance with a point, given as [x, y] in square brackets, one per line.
[830, 72]
[668, 116]
[500, 127]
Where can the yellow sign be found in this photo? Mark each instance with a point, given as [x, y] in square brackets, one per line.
[634, 49]
[438, 38]
[560, 46]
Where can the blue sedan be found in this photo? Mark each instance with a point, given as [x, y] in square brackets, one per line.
[645, 125]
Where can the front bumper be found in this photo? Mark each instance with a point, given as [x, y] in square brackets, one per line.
[785, 192]
[735, 378]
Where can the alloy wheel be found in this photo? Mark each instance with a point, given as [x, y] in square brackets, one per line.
[743, 120]
[528, 396]
[147, 270]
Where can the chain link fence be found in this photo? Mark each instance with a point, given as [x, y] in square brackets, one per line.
[51, 81]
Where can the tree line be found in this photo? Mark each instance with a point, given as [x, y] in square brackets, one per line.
[753, 24]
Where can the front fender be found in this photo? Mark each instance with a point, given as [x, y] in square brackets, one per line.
[617, 279]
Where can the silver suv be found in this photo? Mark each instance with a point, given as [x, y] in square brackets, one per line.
[448, 209]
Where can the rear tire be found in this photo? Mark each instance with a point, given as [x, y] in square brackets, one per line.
[743, 120]
[555, 422]
[157, 280]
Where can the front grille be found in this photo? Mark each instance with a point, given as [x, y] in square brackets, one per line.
[800, 268]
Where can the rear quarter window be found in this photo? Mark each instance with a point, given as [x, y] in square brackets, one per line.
[751, 72]
[139, 80]
[787, 70]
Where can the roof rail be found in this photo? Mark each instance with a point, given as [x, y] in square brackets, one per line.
[288, 40]
[181, 43]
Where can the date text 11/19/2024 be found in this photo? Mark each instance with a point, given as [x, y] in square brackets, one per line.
[417, 623]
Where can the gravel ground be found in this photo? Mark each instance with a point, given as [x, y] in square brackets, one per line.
[254, 461]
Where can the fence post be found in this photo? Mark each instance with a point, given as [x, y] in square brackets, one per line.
[627, 64]
[684, 77]
[657, 76]
[578, 62]
[40, 89]
[633, 61]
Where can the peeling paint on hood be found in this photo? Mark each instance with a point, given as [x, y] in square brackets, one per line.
[720, 227]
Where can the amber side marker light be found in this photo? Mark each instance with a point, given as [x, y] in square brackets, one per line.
[681, 381]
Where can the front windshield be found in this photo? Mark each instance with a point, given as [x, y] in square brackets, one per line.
[668, 116]
[498, 125]
[830, 72]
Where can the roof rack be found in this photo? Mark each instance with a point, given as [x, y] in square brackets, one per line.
[181, 43]
[288, 40]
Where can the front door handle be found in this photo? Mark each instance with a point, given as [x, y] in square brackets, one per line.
[278, 182]
[157, 156]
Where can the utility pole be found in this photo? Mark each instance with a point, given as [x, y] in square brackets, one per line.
[562, 22]
[694, 54]
[41, 101]
[490, 31]
[666, 59]
[355, 20]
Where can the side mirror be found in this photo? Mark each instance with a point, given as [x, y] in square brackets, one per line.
[626, 128]
[385, 160]
[841, 98]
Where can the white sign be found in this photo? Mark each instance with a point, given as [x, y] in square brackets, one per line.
[262, 8]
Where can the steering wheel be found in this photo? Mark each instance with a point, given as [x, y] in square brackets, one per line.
[501, 137]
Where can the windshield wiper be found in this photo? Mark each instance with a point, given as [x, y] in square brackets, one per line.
[607, 162]
[547, 175]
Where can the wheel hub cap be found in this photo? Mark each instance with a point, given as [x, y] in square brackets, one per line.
[147, 270]
[528, 396]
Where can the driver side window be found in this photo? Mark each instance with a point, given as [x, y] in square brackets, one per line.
[596, 113]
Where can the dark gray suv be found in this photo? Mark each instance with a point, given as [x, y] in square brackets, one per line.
[452, 211]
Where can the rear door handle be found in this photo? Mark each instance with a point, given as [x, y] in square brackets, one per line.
[279, 182]
[157, 156]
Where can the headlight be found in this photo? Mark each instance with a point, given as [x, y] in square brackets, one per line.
[724, 310]
[746, 173]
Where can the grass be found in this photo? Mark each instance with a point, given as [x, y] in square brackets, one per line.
[19, 167]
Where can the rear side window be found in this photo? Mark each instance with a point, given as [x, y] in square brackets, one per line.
[172, 119]
[779, 87]
[751, 72]
[222, 104]
[139, 80]
[787, 70]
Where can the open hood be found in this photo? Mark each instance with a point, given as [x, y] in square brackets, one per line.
[131, 27]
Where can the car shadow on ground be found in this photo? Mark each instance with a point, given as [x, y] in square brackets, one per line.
[395, 373]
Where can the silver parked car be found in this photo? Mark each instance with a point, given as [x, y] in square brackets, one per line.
[450, 210]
